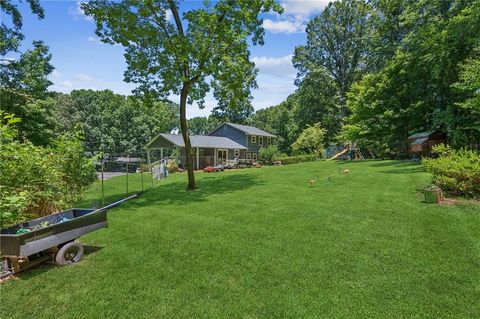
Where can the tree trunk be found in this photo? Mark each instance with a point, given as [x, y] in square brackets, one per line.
[186, 137]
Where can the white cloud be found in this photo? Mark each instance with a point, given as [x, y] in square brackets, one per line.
[295, 16]
[279, 67]
[77, 13]
[284, 26]
[83, 77]
[56, 74]
[303, 9]
[94, 39]
[66, 84]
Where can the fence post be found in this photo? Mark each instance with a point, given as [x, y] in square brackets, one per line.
[141, 174]
[103, 187]
[126, 175]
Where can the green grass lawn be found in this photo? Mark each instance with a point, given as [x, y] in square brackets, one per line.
[262, 243]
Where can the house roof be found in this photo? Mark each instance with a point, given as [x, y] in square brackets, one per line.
[122, 159]
[419, 141]
[421, 134]
[204, 141]
[250, 130]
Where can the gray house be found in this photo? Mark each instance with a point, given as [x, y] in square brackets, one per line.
[227, 142]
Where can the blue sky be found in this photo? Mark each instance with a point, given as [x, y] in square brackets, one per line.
[82, 61]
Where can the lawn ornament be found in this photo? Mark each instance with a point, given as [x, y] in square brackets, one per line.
[210, 169]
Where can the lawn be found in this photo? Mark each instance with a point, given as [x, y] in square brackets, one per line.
[263, 243]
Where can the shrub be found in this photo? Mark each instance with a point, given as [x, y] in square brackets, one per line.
[310, 141]
[296, 159]
[455, 171]
[172, 166]
[267, 154]
[35, 180]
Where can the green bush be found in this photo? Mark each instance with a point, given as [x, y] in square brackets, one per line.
[310, 141]
[296, 159]
[267, 154]
[455, 171]
[37, 181]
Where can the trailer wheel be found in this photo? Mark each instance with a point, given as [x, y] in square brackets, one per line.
[70, 253]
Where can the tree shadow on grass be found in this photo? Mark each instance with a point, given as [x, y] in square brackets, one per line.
[407, 170]
[176, 193]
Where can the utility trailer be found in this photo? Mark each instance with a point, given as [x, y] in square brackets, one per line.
[49, 238]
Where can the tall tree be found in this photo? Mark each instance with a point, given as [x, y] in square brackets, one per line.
[337, 40]
[11, 34]
[23, 82]
[233, 113]
[202, 125]
[200, 50]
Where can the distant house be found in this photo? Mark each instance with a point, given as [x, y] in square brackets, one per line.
[227, 142]
[422, 143]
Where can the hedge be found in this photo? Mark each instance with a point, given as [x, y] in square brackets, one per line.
[296, 159]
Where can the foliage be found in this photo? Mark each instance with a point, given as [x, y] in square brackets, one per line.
[113, 123]
[11, 36]
[455, 171]
[278, 120]
[238, 113]
[337, 44]
[426, 84]
[172, 166]
[296, 159]
[39, 180]
[268, 154]
[202, 125]
[23, 83]
[310, 141]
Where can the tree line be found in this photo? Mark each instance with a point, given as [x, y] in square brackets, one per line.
[377, 71]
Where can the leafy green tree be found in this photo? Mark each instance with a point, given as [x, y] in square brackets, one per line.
[202, 125]
[236, 114]
[318, 102]
[11, 36]
[23, 83]
[113, 123]
[310, 141]
[278, 120]
[467, 132]
[337, 41]
[203, 49]
[268, 154]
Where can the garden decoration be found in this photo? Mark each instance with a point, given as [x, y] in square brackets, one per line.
[49, 238]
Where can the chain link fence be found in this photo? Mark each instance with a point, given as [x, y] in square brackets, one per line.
[122, 175]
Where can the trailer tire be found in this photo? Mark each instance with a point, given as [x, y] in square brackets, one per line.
[70, 253]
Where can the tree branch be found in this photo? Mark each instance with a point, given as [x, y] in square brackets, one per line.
[176, 16]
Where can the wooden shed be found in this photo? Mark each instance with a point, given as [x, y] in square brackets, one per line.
[422, 143]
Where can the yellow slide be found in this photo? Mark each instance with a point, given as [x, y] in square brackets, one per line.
[338, 154]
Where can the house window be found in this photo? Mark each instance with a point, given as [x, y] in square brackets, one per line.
[260, 140]
[249, 156]
[236, 153]
[254, 156]
[254, 139]
[269, 140]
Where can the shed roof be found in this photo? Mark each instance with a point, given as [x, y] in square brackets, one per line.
[421, 134]
[204, 141]
[419, 141]
[249, 129]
